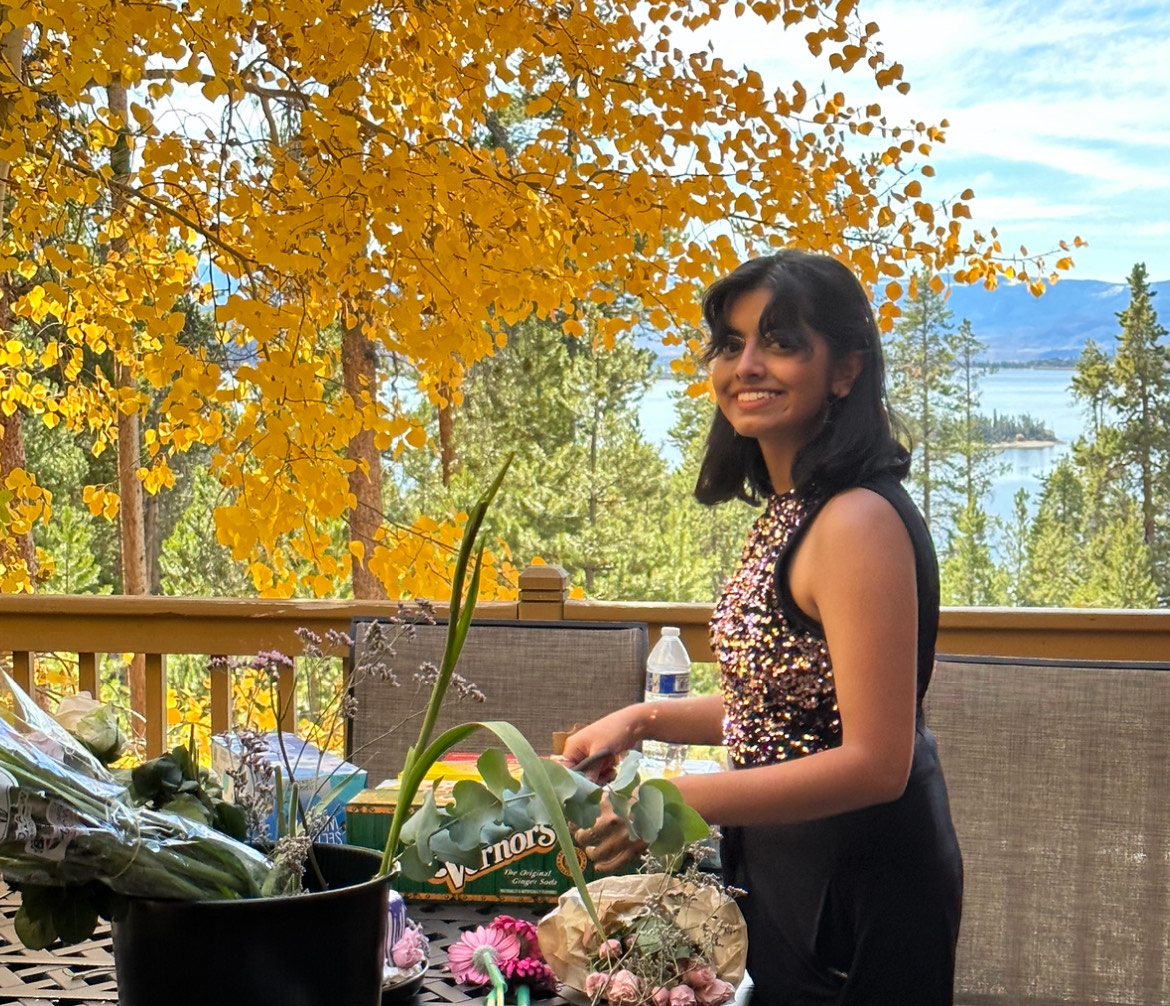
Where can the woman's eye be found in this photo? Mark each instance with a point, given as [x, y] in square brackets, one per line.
[731, 347]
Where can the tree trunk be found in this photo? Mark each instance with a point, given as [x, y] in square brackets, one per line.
[12, 454]
[131, 524]
[446, 437]
[359, 371]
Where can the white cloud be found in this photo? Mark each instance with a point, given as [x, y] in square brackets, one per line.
[1062, 111]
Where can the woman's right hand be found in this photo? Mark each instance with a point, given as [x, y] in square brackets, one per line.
[604, 740]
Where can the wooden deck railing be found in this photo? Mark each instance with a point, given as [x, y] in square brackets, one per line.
[157, 627]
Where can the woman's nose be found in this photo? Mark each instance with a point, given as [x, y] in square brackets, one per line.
[751, 360]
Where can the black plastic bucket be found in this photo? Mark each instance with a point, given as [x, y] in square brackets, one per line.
[319, 949]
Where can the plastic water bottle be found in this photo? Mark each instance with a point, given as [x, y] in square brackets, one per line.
[668, 676]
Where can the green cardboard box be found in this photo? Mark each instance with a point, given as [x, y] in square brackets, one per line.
[526, 866]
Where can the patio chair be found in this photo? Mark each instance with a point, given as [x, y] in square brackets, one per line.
[1059, 781]
[541, 676]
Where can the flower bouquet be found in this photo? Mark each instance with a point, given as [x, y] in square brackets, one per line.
[504, 954]
[670, 939]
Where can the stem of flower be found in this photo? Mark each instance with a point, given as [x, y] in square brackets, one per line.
[499, 985]
[523, 995]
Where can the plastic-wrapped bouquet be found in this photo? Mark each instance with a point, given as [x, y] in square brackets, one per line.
[670, 939]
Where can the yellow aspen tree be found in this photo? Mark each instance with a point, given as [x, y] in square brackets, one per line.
[323, 163]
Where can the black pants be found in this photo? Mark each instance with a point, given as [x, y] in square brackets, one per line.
[859, 909]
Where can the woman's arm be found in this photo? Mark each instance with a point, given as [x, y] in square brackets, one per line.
[854, 573]
[696, 720]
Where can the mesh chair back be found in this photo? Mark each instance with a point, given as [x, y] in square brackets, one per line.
[1059, 781]
[540, 676]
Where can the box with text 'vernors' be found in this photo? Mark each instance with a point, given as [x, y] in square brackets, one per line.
[524, 866]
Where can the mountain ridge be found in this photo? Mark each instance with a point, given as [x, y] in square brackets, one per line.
[1020, 328]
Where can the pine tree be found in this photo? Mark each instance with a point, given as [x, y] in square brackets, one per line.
[969, 575]
[921, 360]
[1057, 562]
[1092, 383]
[68, 538]
[1141, 398]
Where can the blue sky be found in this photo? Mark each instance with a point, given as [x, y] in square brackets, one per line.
[1059, 113]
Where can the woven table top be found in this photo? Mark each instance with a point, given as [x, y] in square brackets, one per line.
[84, 974]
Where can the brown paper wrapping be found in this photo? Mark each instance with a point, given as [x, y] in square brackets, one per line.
[567, 935]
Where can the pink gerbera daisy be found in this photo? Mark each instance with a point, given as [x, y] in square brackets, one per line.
[469, 957]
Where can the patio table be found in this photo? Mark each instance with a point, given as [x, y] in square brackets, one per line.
[83, 975]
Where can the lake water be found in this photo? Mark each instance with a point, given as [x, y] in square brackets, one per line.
[1044, 394]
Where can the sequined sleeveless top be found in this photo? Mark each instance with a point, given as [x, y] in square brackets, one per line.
[779, 697]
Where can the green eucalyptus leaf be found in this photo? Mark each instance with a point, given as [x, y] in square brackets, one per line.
[493, 767]
[564, 782]
[445, 848]
[620, 802]
[419, 828]
[671, 794]
[627, 774]
[694, 828]
[413, 865]
[647, 815]
[518, 811]
[669, 838]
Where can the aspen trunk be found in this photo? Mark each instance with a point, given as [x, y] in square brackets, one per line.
[131, 524]
[12, 454]
[447, 457]
[359, 373]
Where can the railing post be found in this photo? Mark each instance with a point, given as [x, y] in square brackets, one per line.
[543, 590]
[156, 704]
[22, 669]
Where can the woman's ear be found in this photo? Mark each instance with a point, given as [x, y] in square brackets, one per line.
[845, 372]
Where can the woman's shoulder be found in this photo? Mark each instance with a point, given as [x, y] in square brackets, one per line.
[857, 517]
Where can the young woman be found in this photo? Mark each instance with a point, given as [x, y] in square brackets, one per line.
[835, 816]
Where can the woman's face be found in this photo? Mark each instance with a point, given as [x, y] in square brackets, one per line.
[769, 388]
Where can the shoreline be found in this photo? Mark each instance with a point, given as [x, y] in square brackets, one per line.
[1025, 444]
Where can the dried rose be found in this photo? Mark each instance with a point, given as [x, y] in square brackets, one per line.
[660, 996]
[624, 989]
[682, 995]
[610, 950]
[715, 994]
[410, 950]
[595, 983]
[699, 976]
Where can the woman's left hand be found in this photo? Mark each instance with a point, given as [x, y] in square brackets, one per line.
[608, 843]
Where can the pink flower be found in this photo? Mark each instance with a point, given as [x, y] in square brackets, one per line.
[660, 996]
[610, 950]
[410, 950]
[682, 995]
[699, 976]
[469, 957]
[521, 928]
[595, 983]
[623, 989]
[530, 971]
[715, 994]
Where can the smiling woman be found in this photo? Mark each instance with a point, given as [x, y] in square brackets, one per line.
[835, 816]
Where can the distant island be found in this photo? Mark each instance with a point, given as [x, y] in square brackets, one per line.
[1002, 430]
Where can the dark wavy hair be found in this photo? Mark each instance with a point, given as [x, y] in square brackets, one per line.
[859, 443]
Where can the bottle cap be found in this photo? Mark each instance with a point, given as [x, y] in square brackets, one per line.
[670, 630]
